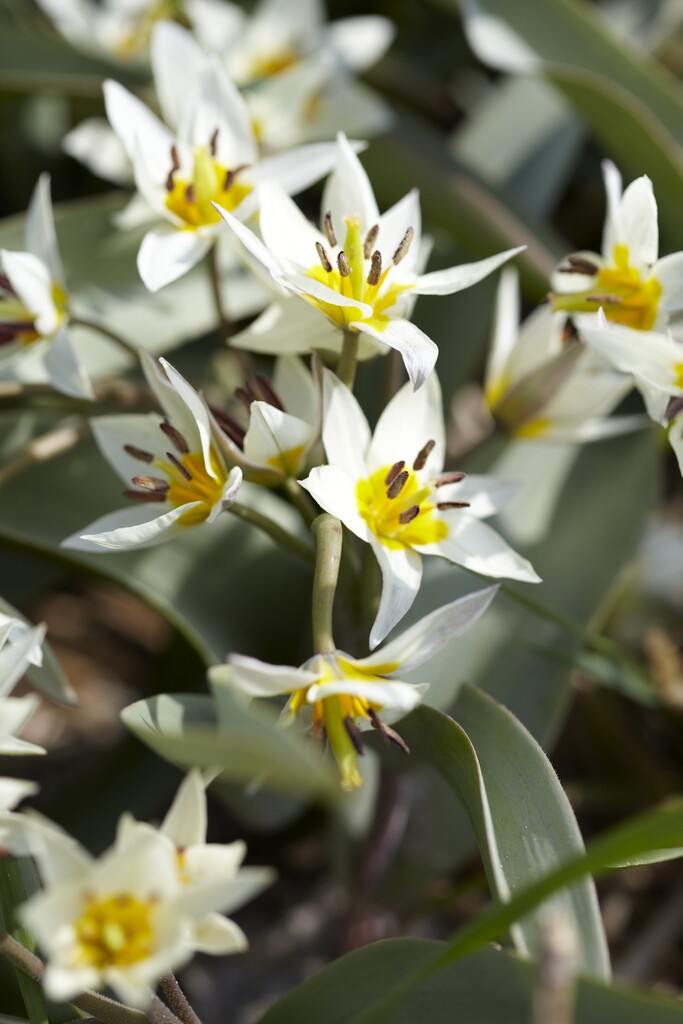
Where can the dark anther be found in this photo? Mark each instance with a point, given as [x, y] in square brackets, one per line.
[190, 194]
[151, 483]
[675, 406]
[375, 272]
[229, 426]
[269, 393]
[213, 143]
[403, 246]
[393, 472]
[388, 734]
[244, 396]
[604, 300]
[323, 257]
[175, 436]
[423, 455]
[178, 465]
[354, 735]
[579, 265]
[231, 175]
[449, 478]
[409, 514]
[5, 284]
[343, 264]
[138, 453]
[397, 484]
[175, 160]
[144, 495]
[329, 229]
[443, 506]
[370, 240]
[169, 180]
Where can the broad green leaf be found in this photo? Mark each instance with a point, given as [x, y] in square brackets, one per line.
[488, 987]
[520, 815]
[49, 677]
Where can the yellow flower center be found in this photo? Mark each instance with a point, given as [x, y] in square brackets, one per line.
[398, 510]
[17, 323]
[265, 65]
[194, 484]
[190, 199]
[137, 39]
[624, 296]
[289, 461]
[115, 931]
[358, 274]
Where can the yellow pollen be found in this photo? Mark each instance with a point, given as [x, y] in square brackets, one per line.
[626, 298]
[201, 487]
[381, 513]
[190, 200]
[116, 931]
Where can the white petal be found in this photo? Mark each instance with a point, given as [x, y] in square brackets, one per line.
[487, 495]
[176, 408]
[259, 679]
[251, 243]
[226, 894]
[218, 936]
[141, 131]
[168, 253]
[73, 18]
[392, 228]
[207, 861]
[310, 286]
[650, 356]
[505, 329]
[669, 272]
[228, 494]
[676, 439]
[455, 279]
[478, 547]
[177, 61]
[197, 411]
[64, 370]
[418, 350]
[13, 791]
[15, 713]
[41, 238]
[401, 577]
[294, 383]
[273, 434]
[299, 167]
[410, 420]
[289, 327]
[97, 146]
[30, 279]
[185, 822]
[290, 237]
[348, 191]
[15, 658]
[218, 104]
[542, 469]
[112, 433]
[612, 232]
[638, 216]
[360, 42]
[346, 434]
[335, 492]
[392, 695]
[495, 43]
[135, 527]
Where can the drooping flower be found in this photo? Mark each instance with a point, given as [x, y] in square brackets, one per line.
[275, 443]
[343, 695]
[390, 490]
[361, 270]
[34, 304]
[211, 155]
[173, 468]
[127, 918]
[627, 280]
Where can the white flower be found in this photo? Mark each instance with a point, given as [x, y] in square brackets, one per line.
[539, 385]
[343, 694]
[34, 304]
[633, 287]
[19, 648]
[362, 269]
[275, 443]
[390, 490]
[126, 919]
[212, 154]
[178, 475]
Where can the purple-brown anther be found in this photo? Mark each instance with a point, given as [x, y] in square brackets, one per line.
[375, 272]
[190, 194]
[144, 495]
[269, 393]
[397, 484]
[231, 175]
[370, 240]
[393, 472]
[605, 300]
[449, 478]
[423, 455]
[245, 396]
[409, 514]
[444, 506]
[343, 264]
[213, 143]
[329, 229]
[178, 465]
[388, 734]
[354, 735]
[580, 265]
[176, 438]
[403, 246]
[151, 483]
[138, 453]
[229, 426]
[323, 257]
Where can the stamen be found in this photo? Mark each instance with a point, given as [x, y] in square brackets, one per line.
[329, 229]
[138, 453]
[604, 300]
[229, 426]
[370, 240]
[170, 184]
[423, 455]
[580, 265]
[354, 735]
[231, 175]
[245, 396]
[393, 472]
[343, 264]
[443, 506]
[269, 393]
[178, 465]
[375, 272]
[151, 483]
[5, 284]
[675, 406]
[409, 514]
[403, 246]
[144, 495]
[397, 484]
[213, 143]
[190, 194]
[179, 442]
[323, 257]
[175, 159]
[388, 734]
[449, 478]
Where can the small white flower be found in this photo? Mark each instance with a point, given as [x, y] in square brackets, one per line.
[362, 269]
[343, 694]
[19, 648]
[390, 490]
[211, 155]
[633, 287]
[173, 468]
[34, 304]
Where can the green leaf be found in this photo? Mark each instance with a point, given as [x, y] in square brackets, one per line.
[521, 818]
[15, 887]
[49, 677]
[486, 988]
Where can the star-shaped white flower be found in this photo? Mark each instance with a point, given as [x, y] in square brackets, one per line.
[211, 155]
[34, 304]
[361, 271]
[390, 490]
[627, 280]
[173, 468]
[341, 694]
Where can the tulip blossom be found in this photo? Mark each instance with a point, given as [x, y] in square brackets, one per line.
[34, 304]
[210, 156]
[175, 473]
[627, 280]
[343, 695]
[391, 491]
[361, 269]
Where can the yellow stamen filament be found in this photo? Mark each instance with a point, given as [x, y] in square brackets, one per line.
[201, 487]
[190, 199]
[383, 513]
[115, 931]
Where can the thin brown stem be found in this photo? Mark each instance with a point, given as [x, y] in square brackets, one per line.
[128, 347]
[159, 1013]
[177, 1000]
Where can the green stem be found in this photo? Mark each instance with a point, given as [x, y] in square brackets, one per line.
[328, 547]
[300, 499]
[13, 893]
[106, 332]
[281, 536]
[346, 367]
